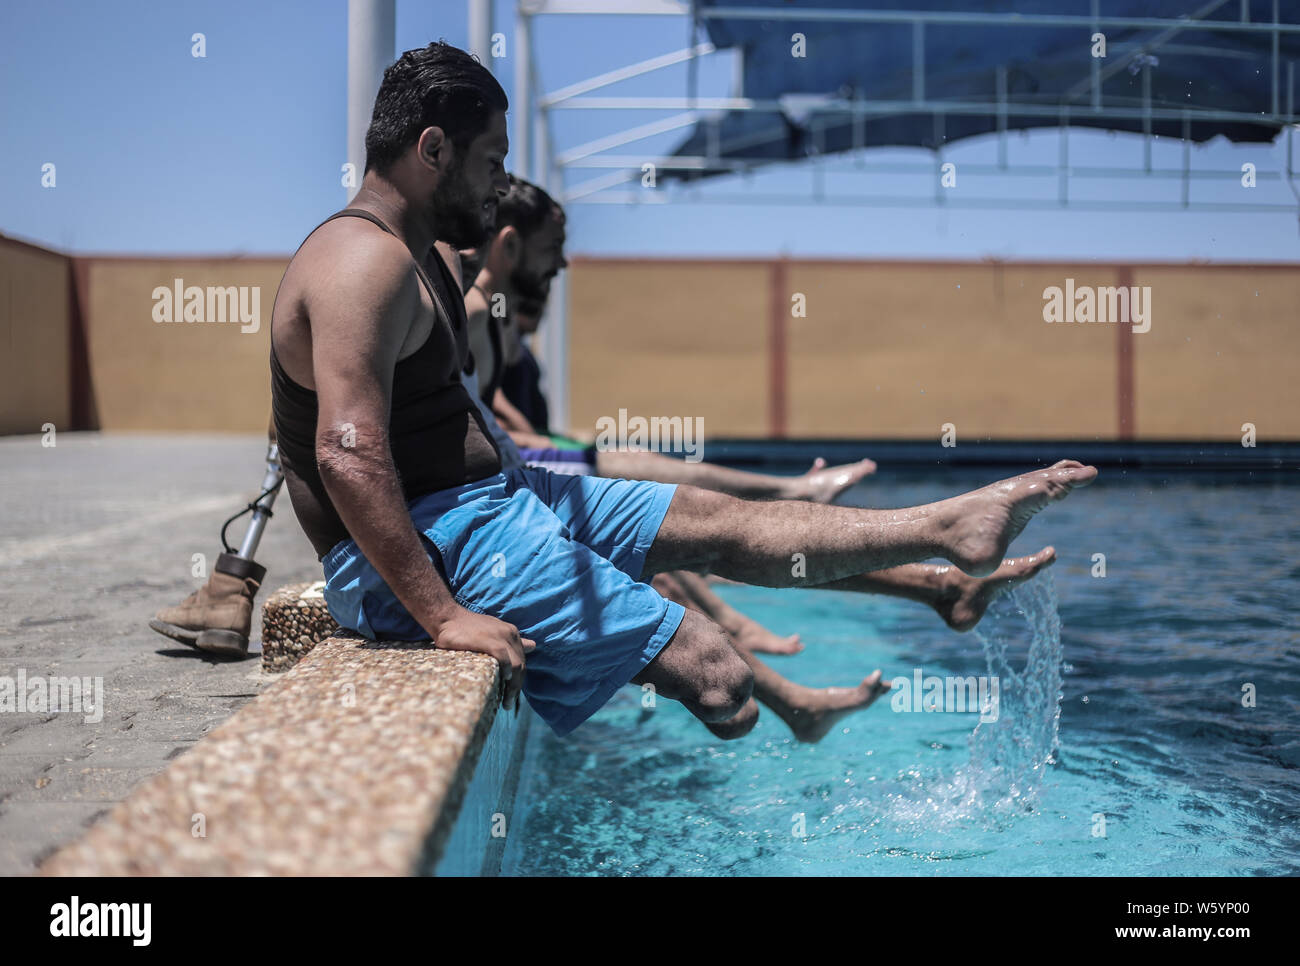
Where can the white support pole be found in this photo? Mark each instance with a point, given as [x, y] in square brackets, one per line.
[372, 35]
[556, 348]
[556, 353]
[480, 31]
[541, 166]
[1095, 67]
[522, 103]
[685, 55]
[536, 155]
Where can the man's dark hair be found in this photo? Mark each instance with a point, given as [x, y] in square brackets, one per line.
[526, 207]
[436, 86]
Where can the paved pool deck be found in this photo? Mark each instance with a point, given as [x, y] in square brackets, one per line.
[96, 533]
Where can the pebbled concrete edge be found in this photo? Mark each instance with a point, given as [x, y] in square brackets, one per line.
[355, 762]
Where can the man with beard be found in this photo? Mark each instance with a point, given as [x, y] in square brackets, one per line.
[367, 347]
[217, 617]
[398, 484]
[515, 271]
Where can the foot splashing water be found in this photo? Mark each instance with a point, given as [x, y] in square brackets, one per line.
[1009, 757]
[1011, 749]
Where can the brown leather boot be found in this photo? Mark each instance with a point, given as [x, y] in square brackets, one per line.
[217, 617]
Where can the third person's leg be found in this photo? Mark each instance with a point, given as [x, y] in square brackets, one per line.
[746, 633]
[958, 598]
[821, 484]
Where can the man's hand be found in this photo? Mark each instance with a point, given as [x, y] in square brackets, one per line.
[465, 630]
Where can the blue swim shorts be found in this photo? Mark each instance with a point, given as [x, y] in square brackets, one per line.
[559, 557]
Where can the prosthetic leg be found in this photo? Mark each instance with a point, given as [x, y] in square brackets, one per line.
[218, 616]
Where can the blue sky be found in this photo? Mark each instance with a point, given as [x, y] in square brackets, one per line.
[239, 152]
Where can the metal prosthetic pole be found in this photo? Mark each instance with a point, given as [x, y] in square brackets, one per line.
[262, 507]
[240, 563]
[218, 616]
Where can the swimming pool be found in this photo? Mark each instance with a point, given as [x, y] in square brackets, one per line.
[1160, 769]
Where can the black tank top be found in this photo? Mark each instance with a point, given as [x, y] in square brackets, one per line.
[436, 432]
[490, 382]
[522, 384]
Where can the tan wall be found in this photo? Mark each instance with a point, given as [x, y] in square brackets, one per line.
[1223, 350]
[886, 349]
[895, 350]
[662, 339]
[899, 350]
[34, 338]
[178, 375]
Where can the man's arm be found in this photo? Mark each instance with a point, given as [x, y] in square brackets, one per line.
[530, 440]
[510, 418]
[480, 342]
[361, 311]
[512, 346]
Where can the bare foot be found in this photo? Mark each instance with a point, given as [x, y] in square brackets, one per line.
[824, 484]
[979, 526]
[753, 636]
[814, 711]
[963, 600]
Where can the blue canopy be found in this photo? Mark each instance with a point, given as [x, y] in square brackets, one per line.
[980, 73]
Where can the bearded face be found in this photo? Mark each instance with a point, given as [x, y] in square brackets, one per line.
[531, 287]
[528, 315]
[466, 217]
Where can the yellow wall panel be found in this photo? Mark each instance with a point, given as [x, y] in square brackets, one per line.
[34, 338]
[1223, 350]
[669, 339]
[176, 375]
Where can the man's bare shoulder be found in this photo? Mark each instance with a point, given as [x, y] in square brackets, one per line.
[351, 292]
[352, 264]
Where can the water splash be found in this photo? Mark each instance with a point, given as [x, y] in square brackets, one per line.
[1009, 757]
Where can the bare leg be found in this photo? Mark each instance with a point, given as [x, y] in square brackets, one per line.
[811, 712]
[821, 484]
[700, 668]
[786, 544]
[825, 483]
[715, 682]
[959, 599]
[668, 587]
[746, 633]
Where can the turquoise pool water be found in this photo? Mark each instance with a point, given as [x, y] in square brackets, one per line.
[1157, 767]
